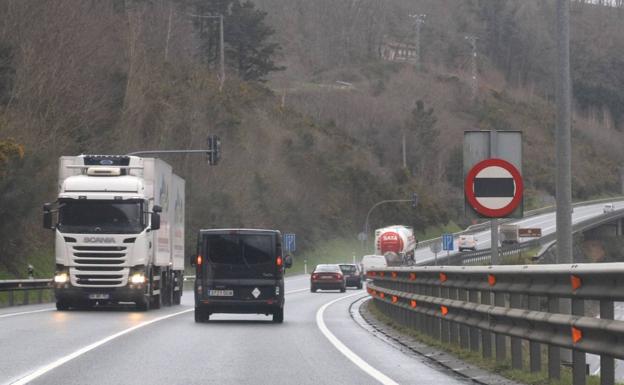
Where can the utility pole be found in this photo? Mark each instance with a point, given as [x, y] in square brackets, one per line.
[564, 185]
[475, 71]
[419, 20]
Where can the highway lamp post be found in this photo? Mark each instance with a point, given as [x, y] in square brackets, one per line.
[414, 201]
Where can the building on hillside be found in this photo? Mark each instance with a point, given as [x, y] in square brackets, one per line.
[397, 51]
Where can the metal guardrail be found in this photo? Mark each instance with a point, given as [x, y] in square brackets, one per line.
[483, 308]
[25, 286]
[530, 213]
[484, 256]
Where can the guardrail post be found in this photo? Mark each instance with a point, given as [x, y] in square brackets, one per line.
[486, 336]
[453, 327]
[515, 301]
[473, 296]
[501, 342]
[607, 363]
[39, 295]
[463, 329]
[578, 358]
[11, 298]
[444, 293]
[554, 353]
[26, 297]
[535, 350]
[436, 322]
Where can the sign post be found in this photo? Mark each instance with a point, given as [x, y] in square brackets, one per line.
[435, 249]
[488, 194]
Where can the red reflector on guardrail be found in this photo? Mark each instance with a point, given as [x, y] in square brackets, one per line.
[382, 274]
[444, 310]
[576, 282]
[577, 335]
[395, 299]
[382, 295]
[412, 276]
[413, 303]
[443, 277]
[394, 274]
[372, 273]
[491, 279]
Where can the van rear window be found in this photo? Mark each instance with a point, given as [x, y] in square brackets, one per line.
[238, 249]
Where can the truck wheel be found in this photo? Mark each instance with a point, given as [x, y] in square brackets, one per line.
[62, 305]
[156, 301]
[278, 315]
[143, 304]
[177, 297]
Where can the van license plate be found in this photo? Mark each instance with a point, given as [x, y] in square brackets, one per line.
[221, 293]
[99, 296]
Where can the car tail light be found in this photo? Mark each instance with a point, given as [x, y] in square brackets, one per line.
[314, 276]
[338, 276]
[278, 261]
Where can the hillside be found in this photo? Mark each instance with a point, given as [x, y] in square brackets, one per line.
[302, 153]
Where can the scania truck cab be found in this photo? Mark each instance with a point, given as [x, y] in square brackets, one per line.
[239, 271]
[119, 232]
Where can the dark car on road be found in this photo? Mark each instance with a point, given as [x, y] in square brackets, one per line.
[327, 277]
[239, 271]
[352, 273]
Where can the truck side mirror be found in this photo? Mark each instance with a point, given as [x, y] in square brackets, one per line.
[288, 261]
[155, 221]
[47, 216]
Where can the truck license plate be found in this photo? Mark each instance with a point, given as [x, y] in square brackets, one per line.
[221, 293]
[99, 296]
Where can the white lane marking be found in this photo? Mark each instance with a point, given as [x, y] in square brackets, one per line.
[357, 360]
[297, 291]
[26, 312]
[45, 369]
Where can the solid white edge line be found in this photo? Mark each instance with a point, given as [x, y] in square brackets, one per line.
[43, 370]
[342, 348]
[26, 312]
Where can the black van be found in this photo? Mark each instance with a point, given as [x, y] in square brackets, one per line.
[239, 271]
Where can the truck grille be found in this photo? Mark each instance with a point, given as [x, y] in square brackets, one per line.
[99, 266]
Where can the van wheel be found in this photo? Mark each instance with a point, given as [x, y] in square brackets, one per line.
[201, 316]
[62, 305]
[359, 286]
[278, 315]
[343, 289]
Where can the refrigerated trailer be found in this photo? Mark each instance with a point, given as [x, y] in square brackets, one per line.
[119, 232]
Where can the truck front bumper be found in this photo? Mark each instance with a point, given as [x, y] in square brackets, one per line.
[71, 294]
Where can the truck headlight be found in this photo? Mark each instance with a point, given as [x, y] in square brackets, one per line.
[61, 278]
[137, 278]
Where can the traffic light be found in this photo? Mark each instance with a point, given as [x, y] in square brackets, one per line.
[214, 150]
[414, 200]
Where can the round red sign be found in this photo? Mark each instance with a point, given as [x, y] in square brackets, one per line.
[494, 188]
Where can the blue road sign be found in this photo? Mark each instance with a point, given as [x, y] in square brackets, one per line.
[447, 242]
[289, 242]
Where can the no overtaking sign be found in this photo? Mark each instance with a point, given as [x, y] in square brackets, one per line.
[494, 188]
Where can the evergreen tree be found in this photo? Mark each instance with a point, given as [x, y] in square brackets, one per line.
[247, 37]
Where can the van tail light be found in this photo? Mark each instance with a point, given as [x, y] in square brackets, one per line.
[279, 261]
[199, 260]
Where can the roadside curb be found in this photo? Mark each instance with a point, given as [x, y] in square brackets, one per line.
[368, 321]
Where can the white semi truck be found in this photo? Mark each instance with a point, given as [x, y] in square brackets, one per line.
[119, 232]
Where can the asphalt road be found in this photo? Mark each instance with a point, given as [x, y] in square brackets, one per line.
[546, 222]
[318, 343]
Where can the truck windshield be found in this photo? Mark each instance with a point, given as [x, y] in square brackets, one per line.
[238, 249]
[105, 217]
